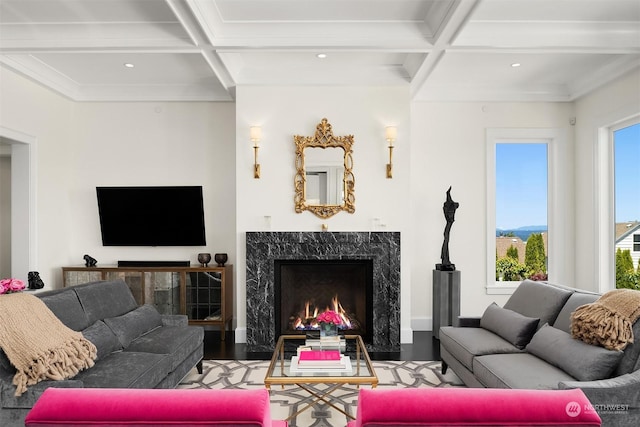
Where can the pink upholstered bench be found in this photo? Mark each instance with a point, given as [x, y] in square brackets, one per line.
[156, 407]
[472, 407]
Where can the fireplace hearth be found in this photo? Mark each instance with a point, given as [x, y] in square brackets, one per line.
[365, 284]
[304, 289]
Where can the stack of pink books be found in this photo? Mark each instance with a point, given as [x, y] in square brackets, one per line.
[321, 359]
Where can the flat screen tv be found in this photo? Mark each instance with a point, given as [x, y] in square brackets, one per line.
[151, 216]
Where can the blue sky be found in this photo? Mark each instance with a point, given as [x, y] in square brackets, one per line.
[521, 185]
[627, 173]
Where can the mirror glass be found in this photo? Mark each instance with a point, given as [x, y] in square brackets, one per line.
[324, 182]
[324, 171]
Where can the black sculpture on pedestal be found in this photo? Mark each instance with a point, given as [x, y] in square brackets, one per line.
[449, 209]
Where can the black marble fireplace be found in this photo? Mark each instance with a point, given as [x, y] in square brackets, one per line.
[369, 291]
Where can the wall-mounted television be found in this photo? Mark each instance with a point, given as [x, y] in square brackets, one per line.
[151, 216]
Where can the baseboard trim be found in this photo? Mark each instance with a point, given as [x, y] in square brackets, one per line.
[422, 324]
[241, 335]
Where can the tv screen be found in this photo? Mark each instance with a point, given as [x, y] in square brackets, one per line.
[151, 216]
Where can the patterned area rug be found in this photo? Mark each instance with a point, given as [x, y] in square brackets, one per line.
[249, 374]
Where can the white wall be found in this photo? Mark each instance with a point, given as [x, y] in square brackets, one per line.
[596, 112]
[83, 145]
[5, 214]
[449, 149]
[29, 109]
[283, 112]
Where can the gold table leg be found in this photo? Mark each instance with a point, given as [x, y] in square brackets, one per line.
[320, 397]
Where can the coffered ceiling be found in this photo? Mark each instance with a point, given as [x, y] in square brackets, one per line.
[201, 50]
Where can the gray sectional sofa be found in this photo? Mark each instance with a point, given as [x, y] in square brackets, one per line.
[527, 344]
[137, 346]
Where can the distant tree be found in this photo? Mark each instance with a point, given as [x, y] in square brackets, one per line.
[512, 252]
[509, 269]
[625, 274]
[507, 234]
[535, 258]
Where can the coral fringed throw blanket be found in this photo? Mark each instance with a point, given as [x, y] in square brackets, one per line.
[608, 322]
[38, 344]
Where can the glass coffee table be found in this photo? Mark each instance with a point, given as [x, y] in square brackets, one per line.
[281, 372]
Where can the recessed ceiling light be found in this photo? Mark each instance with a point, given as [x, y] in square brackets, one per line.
[321, 55]
[129, 65]
[515, 65]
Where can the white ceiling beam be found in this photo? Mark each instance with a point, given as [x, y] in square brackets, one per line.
[459, 16]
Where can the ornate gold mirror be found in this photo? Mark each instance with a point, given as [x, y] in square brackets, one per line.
[324, 181]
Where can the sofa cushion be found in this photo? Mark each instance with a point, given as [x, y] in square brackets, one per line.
[522, 370]
[512, 326]
[582, 361]
[466, 343]
[222, 408]
[127, 369]
[104, 299]
[418, 407]
[64, 303]
[538, 300]
[578, 298]
[135, 323]
[103, 338]
[5, 364]
[631, 360]
[180, 342]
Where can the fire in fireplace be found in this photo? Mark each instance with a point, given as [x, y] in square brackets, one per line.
[304, 289]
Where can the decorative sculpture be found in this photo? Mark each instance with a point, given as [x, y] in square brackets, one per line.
[449, 209]
[89, 261]
[35, 282]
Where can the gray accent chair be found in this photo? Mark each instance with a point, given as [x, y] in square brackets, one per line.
[503, 350]
[137, 346]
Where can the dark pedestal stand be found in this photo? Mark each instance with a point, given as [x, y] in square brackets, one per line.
[446, 299]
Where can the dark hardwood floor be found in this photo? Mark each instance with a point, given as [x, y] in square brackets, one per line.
[424, 347]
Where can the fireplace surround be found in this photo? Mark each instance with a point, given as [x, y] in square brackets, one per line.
[264, 249]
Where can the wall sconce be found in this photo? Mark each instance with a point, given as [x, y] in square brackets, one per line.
[255, 133]
[391, 133]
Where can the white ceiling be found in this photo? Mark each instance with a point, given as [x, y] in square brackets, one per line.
[200, 50]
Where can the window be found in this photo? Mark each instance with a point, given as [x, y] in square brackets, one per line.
[520, 183]
[626, 173]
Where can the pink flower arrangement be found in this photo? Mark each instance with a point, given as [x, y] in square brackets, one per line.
[329, 316]
[8, 286]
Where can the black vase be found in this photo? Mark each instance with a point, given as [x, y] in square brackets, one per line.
[204, 259]
[221, 259]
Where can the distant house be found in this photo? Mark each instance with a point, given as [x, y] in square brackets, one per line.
[503, 243]
[628, 237]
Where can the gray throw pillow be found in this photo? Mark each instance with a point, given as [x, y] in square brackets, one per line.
[512, 326]
[582, 361]
[135, 323]
[103, 338]
[538, 299]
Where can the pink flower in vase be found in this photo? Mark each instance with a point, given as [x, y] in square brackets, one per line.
[8, 286]
[329, 316]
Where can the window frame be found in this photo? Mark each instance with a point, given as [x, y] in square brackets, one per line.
[605, 245]
[554, 138]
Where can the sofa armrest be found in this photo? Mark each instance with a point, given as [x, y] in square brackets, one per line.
[468, 322]
[617, 400]
[175, 320]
